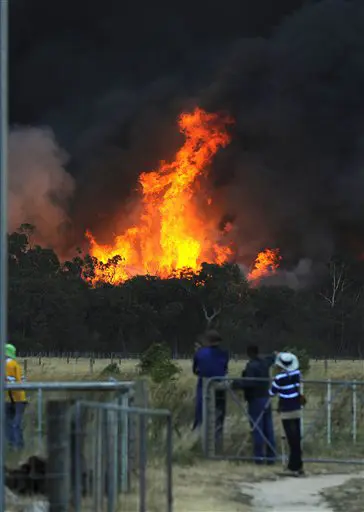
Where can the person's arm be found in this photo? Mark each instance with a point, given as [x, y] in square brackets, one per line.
[274, 389]
[271, 359]
[11, 368]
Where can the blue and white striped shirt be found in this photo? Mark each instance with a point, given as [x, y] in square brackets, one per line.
[287, 386]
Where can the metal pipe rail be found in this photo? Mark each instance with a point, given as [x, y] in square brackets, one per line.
[70, 386]
[123, 387]
[331, 399]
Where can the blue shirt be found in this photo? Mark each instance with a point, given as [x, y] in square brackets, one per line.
[210, 362]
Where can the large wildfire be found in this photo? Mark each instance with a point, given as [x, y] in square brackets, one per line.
[177, 224]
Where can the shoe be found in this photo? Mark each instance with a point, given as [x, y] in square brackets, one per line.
[290, 472]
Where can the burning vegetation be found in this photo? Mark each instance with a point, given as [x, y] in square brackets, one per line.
[174, 232]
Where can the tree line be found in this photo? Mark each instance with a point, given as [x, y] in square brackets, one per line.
[53, 307]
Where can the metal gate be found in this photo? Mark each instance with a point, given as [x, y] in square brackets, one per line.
[332, 423]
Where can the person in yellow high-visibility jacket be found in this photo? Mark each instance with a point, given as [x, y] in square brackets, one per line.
[15, 400]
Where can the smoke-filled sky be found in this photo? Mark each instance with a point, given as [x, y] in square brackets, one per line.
[109, 80]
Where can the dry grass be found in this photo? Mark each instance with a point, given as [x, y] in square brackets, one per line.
[55, 368]
[178, 397]
[205, 486]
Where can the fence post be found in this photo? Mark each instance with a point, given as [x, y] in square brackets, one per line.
[354, 406]
[302, 414]
[169, 464]
[40, 418]
[142, 449]
[124, 445]
[140, 399]
[328, 412]
[98, 475]
[59, 459]
[111, 459]
[208, 418]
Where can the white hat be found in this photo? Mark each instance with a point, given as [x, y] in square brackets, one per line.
[287, 361]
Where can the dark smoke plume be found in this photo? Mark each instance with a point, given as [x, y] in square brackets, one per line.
[110, 82]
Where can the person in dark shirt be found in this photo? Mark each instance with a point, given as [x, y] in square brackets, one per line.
[210, 360]
[259, 408]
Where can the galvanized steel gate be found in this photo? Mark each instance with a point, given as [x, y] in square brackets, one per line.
[332, 423]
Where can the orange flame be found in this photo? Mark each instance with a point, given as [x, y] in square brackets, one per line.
[266, 263]
[170, 235]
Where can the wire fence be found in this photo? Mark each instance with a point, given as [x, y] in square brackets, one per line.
[38, 394]
[77, 365]
[104, 479]
[332, 423]
[94, 448]
[115, 356]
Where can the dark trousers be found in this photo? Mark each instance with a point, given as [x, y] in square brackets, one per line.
[292, 429]
[260, 417]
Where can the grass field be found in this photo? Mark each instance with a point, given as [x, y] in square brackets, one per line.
[212, 486]
[55, 368]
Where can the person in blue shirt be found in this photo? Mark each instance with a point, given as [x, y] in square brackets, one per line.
[210, 360]
[256, 390]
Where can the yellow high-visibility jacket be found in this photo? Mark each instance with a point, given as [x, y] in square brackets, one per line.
[13, 374]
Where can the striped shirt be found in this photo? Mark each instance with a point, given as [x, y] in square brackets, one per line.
[287, 386]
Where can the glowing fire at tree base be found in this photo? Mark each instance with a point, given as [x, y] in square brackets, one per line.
[171, 234]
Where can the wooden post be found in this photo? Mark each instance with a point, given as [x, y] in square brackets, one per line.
[91, 366]
[140, 399]
[59, 455]
[25, 368]
[208, 419]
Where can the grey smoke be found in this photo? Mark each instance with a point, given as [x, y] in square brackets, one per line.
[39, 186]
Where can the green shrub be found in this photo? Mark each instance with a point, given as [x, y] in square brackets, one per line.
[112, 369]
[157, 363]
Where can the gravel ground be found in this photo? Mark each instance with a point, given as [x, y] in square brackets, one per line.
[318, 493]
[348, 497]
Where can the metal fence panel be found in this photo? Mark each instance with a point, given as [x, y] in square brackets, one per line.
[38, 394]
[101, 454]
[100, 484]
[332, 423]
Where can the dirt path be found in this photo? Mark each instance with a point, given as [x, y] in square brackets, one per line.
[293, 494]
